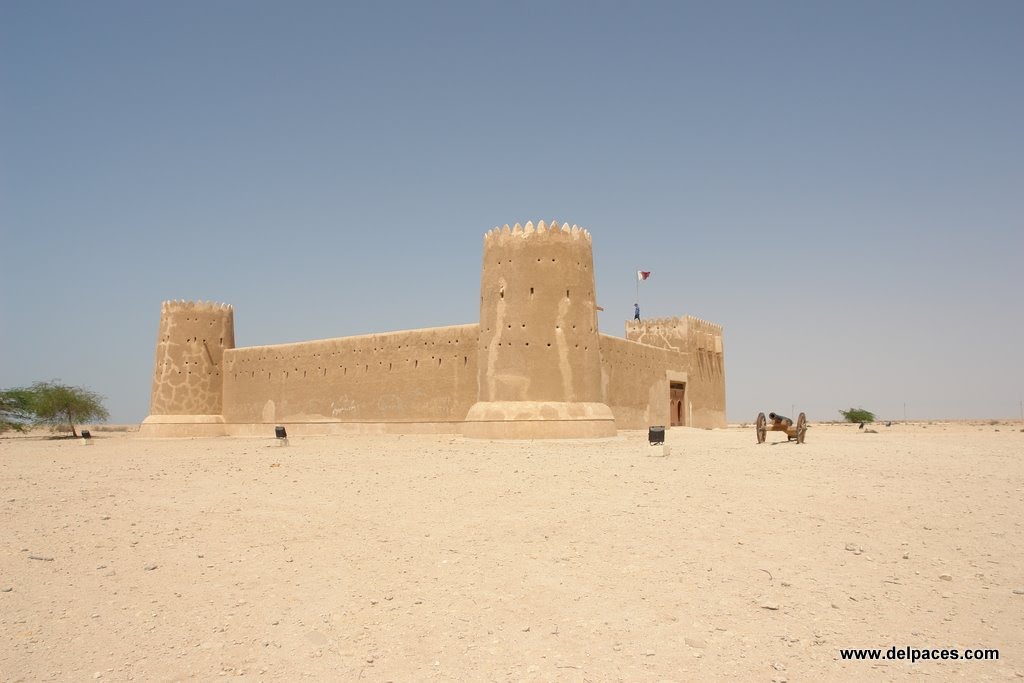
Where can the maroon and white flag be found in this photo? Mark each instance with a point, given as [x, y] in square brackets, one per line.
[642, 275]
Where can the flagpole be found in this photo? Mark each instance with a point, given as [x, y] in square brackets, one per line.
[636, 278]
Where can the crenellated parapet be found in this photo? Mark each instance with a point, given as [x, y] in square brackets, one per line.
[183, 305]
[674, 322]
[694, 323]
[552, 232]
[684, 334]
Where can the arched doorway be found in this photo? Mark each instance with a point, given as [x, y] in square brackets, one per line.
[677, 403]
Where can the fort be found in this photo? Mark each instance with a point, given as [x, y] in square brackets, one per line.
[535, 365]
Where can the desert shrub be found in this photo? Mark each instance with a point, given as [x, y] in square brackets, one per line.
[857, 415]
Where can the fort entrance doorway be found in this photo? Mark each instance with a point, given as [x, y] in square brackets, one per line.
[677, 403]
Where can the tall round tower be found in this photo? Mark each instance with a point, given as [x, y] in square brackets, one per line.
[539, 365]
[188, 382]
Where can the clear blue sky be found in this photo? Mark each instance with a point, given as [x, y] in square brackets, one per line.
[840, 185]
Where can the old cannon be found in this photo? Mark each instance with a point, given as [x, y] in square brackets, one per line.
[780, 423]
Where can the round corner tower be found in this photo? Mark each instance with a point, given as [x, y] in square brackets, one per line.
[188, 381]
[539, 367]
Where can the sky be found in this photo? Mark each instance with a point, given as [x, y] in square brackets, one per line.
[839, 185]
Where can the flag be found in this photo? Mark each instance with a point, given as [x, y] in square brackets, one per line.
[642, 275]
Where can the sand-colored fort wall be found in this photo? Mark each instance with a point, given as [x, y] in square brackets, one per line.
[700, 343]
[535, 366]
[418, 380]
[707, 371]
[636, 379]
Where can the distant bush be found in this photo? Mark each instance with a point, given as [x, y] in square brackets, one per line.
[857, 415]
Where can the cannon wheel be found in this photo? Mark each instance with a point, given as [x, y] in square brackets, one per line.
[801, 428]
[762, 430]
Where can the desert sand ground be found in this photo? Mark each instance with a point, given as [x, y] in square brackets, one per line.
[439, 558]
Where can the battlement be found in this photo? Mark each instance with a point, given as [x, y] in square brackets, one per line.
[553, 232]
[685, 334]
[183, 305]
[704, 324]
[687, 321]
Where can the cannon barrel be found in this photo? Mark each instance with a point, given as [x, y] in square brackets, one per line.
[779, 418]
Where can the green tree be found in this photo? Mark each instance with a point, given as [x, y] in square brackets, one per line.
[62, 406]
[15, 410]
[857, 415]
